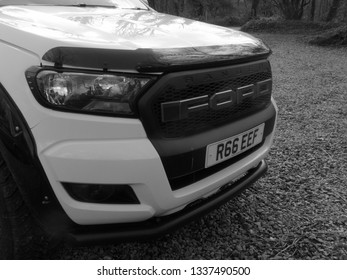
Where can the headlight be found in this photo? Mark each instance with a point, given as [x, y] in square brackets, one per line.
[89, 92]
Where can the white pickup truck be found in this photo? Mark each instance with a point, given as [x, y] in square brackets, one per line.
[120, 123]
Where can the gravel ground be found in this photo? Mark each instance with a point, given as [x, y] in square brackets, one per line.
[298, 210]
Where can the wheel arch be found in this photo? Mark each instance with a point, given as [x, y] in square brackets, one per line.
[18, 149]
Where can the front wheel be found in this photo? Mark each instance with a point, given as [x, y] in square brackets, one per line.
[20, 236]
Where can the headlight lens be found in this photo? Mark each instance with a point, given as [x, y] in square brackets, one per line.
[99, 93]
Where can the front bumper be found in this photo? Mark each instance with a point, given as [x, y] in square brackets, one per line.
[131, 161]
[155, 227]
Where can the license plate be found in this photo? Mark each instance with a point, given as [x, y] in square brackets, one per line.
[233, 146]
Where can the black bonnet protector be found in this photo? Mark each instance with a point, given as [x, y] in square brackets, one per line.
[157, 60]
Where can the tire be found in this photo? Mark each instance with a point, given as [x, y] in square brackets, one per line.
[20, 236]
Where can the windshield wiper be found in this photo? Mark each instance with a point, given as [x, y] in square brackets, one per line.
[137, 8]
[83, 5]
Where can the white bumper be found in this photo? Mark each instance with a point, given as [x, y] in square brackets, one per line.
[121, 155]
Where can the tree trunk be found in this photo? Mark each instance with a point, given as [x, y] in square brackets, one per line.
[313, 9]
[345, 13]
[254, 10]
[185, 7]
[333, 10]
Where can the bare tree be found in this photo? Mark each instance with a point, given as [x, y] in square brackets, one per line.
[345, 13]
[292, 9]
[313, 10]
[254, 10]
[333, 10]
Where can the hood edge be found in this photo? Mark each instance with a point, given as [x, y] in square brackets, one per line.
[146, 60]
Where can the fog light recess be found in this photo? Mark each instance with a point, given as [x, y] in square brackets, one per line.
[103, 194]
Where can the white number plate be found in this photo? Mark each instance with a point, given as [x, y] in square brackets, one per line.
[233, 146]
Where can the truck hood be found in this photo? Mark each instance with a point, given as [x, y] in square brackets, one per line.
[122, 39]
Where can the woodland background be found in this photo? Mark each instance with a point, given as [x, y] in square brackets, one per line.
[238, 12]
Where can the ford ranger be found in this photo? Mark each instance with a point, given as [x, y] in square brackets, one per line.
[120, 123]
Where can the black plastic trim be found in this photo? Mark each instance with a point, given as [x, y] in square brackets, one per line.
[153, 60]
[198, 66]
[186, 79]
[120, 194]
[88, 235]
[20, 155]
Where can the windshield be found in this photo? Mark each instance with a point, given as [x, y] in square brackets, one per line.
[123, 4]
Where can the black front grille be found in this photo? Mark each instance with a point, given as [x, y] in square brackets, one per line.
[181, 142]
[206, 119]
